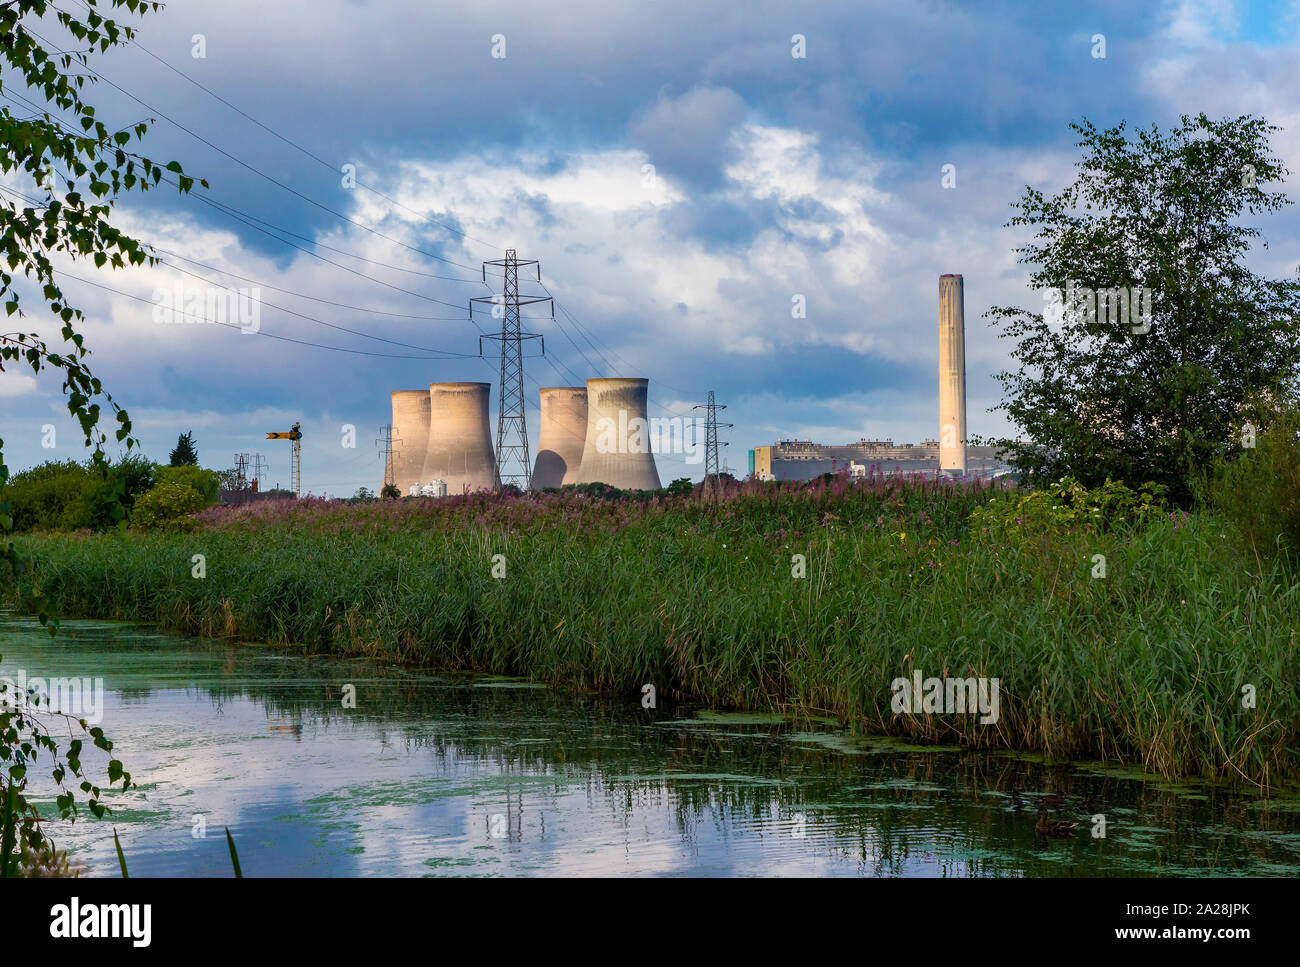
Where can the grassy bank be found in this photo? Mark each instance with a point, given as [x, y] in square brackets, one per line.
[1146, 665]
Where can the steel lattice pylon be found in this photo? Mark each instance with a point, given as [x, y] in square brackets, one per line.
[711, 424]
[512, 424]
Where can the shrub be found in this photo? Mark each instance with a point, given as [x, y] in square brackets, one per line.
[76, 496]
[1259, 491]
[1068, 505]
[168, 506]
[206, 482]
[38, 497]
[681, 487]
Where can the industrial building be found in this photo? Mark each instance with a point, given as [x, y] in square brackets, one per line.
[616, 449]
[410, 438]
[601, 433]
[459, 450]
[949, 455]
[562, 436]
[952, 375]
[804, 460]
[442, 439]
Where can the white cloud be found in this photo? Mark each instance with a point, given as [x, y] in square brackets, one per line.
[14, 384]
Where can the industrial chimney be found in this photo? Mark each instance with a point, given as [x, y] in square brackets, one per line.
[952, 376]
[410, 437]
[460, 438]
[563, 432]
[616, 450]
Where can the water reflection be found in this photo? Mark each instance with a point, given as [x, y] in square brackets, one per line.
[439, 775]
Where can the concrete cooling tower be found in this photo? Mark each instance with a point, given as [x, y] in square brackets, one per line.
[616, 450]
[459, 449]
[563, 432]
[410, 437]
[952, 376]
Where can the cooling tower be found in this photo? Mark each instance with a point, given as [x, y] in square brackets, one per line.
[410, 437]
[616, 450]
[460, 438]
[562, 434]
[952, 376]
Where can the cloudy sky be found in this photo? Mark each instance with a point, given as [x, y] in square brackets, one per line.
[680, 175]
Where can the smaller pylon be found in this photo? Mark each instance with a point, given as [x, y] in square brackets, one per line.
[711, 425]
[385, 443]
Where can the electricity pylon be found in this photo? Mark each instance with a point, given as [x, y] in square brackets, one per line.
[512, 425]
[385, 445]
[711, 424]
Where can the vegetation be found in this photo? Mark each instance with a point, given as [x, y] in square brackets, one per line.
[1067, 504]
[71, 496]
[1259, 492]
[184, 454]
[1146, 665]
[76, 496]
[168, 506]
[73, 175]
[1100, 397]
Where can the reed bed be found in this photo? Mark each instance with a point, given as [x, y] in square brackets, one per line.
[1147, 666]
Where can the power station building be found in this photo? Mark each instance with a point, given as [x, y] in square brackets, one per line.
[598, 433]
[949, 455]
[804, 460]
[410, 438]
[459, 449]
[442, 439]
[617, 448]
[562, 436]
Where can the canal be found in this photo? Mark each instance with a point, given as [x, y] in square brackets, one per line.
[327, 767]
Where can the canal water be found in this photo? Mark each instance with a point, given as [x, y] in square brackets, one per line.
[437, 775]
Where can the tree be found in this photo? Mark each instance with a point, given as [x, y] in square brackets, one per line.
[69, 176]
[185, 455]
[206, 482]
[231, 479]
[168, 506]
[1105, 389]
[390, 492]
[682, 486]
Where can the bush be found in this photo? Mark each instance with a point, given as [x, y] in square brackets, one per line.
[38, 497]
[76, 496]
[168, 506]
[206, 482]
[1067, 505]
[681, 487]
[1259, 491]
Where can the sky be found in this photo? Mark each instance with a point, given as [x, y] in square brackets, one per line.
[682, 177]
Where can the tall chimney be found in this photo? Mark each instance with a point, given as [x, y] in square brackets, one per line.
[563, 432]
[460, 438]
[410, 437]
[617, 447]
[952, 376]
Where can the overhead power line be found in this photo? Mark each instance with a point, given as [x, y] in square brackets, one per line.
[298, 147]
[268, 335]
[257, 171]
[247, 219]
